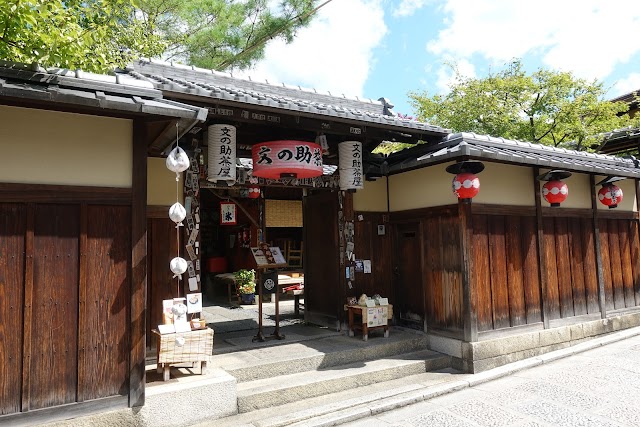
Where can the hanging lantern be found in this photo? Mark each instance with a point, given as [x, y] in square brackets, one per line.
[222, 153]
[465, 184]
[177, 213]
[177, 160]
[350, 165]
[254, 192]
[178, 266]
[555, 192]
[279, 159]
[610, 195]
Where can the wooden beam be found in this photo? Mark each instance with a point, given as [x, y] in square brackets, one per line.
[28, 309]
[137, 331]
[42, 193]
[469, 297]
[542, 270]
[596, 239]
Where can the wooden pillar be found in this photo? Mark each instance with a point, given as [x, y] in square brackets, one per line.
[469, 297]
[348, 216]
[596, 238]
[28, 309]
[137, 331]
[542, 263]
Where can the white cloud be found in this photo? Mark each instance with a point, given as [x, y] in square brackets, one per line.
[446, 75]
[408, 7]
[334, 53]
[627, 85]
[589, 37]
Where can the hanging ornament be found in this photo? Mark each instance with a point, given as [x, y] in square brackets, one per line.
[465, 184]
[177, 160]
[177, 213]
[178, 266]
[610, 195]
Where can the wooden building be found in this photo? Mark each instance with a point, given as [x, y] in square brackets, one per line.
[73, 276]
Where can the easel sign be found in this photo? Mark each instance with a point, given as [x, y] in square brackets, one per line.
[268, 256]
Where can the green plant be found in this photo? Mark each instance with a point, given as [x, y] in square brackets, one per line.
[245, 281]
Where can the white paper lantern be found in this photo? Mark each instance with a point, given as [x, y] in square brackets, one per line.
[222, 153]
[177, 213]
[177, 160]
[350, 165]
[178, 266]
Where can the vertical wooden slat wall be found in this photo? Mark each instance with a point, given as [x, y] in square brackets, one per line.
[377, 248]
[620, 251]
[69, 266]
[12, 248]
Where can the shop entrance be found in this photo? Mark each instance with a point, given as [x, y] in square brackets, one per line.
[408, 283]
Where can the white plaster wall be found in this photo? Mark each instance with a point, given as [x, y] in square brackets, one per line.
[421, 188]
[161, 183]
[502, 184]
[50, 147]
[373, 198]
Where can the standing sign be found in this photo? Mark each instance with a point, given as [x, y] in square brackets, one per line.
[269, 282]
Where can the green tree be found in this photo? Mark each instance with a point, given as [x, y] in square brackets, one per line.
[98, 35]
[548, 107]
[93, 35]
[222, 34]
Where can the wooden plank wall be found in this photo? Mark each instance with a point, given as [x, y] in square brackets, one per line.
[443, 271]
[13, 227]
[620, 262]
[377, 248]
[505, 271]
[68, 265]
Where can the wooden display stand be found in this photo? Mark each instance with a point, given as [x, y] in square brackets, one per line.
[359, 319]
[197, 347]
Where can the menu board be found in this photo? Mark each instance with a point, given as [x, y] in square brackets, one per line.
[268, 256]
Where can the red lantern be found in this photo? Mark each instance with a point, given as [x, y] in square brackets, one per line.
[610, 195]
[555, 192]
[254, 192]
[466, 186]
[277, 159]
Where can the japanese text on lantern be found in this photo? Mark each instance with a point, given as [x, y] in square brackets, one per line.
[225, 152]
[303, 154]
[357, 165]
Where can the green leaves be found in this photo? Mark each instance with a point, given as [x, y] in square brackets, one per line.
[548, 107]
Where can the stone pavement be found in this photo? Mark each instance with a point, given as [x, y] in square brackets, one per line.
[599, 387]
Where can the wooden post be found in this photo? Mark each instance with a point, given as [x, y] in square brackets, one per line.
[28, 309]
[596, 238]
[137, 374]
[469, 298]
[347, 209]
[542, 263]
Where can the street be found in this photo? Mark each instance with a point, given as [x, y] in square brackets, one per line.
[598, 388]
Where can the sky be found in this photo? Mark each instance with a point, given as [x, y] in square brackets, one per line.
[388, 48]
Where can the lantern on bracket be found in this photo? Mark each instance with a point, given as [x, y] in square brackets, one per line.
[465, 184]
[610, 194]
[254, 192]
[555, 191]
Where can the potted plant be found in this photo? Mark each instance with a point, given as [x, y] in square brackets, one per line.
[246, 285]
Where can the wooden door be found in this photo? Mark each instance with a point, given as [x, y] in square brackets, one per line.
[321, 263]
[408, 284]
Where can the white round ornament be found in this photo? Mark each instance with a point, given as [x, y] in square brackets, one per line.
[177, 160]
[177, 213]
[178, 266]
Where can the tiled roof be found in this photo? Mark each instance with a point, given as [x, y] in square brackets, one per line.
[223, 86]
[122, 93]
[517, 152]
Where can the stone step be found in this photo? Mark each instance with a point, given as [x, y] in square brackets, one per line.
[279, 390]
[285, 359]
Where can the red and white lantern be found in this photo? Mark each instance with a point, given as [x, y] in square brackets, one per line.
[277, 159]
[466, 186]
[254, 192]
[555, 192]
[610, 195]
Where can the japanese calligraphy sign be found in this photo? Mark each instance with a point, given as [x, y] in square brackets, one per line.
[276, 159]
[222, 153]
[350, 165]
[228, 213]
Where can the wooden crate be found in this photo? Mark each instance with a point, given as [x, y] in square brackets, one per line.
[198, 345]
